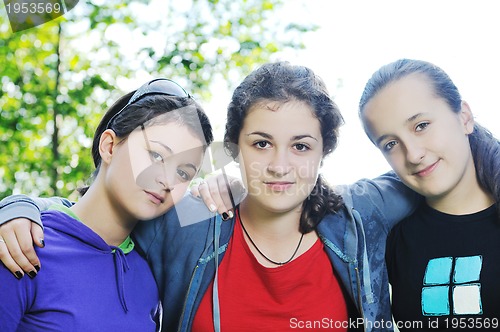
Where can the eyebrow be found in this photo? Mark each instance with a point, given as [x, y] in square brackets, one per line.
[166, 147]
[192, 166]
[414, 117]
[294, 138]
[407, 121]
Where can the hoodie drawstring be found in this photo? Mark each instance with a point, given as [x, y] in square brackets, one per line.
[121, 266]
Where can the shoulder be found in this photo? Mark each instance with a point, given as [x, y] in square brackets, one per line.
[410, 225]
[138, 262]
[56, 221]
[50, 216]
[337, 222]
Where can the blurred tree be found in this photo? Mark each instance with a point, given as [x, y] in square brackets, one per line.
[59, 78]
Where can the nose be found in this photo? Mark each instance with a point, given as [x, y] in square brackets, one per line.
[279, 165]
[164, 185]
[415, 152]
[166, 178]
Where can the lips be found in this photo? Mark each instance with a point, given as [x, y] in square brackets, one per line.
[426, 171]
[278, 186]
[155, 198]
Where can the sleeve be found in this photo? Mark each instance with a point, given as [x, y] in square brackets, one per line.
[16, 297]
[22, 206]
[385, 196]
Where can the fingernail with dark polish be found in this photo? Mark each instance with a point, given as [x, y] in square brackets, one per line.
[225, 216]
[42, 242]
[37, 268]
[32, 274]
[18, 274]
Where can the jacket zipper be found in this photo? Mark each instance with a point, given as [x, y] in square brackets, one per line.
[181, 323]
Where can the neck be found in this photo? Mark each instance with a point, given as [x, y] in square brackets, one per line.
[274, 236]
[271, 225]
[475, 202]
[96, 210]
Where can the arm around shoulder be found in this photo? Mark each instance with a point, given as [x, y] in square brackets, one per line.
[22, 206]
[386, 193]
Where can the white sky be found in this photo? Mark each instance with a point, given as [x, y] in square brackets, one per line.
[359, 36]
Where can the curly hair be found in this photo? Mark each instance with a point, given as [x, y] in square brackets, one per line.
[282, 82]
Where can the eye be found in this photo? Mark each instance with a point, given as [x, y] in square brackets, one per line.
[301, 147]
[262, 145]
[421, 126]
[185, 176]
[155, 157]
[389, 145]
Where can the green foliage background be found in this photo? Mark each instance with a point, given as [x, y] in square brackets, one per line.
[59, 78]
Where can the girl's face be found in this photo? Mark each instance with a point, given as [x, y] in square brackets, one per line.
[281, 149]
[151, 170]
[423, 140]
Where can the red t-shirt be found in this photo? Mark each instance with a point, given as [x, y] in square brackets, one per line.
[301, 294]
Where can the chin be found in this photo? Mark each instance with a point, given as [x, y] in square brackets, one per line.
[278, 207]
[147, 213]
[418, 187]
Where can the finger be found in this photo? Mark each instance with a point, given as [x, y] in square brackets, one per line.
[25, 240]
[195, 191]
[226, 195]
[206, 197]
[17, 234]
[194, 187]
[218, 190]
[238, 190]
[37, 234]
[7, 260]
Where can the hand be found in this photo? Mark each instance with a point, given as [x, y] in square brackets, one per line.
[16, 246]
[219, 192]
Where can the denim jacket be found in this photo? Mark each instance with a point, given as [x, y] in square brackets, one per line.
[183, 259]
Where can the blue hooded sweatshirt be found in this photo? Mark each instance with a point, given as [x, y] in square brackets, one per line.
[85, 285]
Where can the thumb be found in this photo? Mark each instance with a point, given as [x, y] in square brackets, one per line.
[238, 191]
[37, 234]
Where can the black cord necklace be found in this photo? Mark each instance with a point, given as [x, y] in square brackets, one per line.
[260, 252]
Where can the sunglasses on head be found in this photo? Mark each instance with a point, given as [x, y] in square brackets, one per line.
[158, 86]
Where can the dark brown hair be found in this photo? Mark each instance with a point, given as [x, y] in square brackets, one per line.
[282, 82]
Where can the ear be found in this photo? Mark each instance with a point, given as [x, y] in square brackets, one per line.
[466, 118]
[107, 142]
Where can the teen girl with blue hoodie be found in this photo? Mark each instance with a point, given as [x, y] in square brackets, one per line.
[93, 277]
